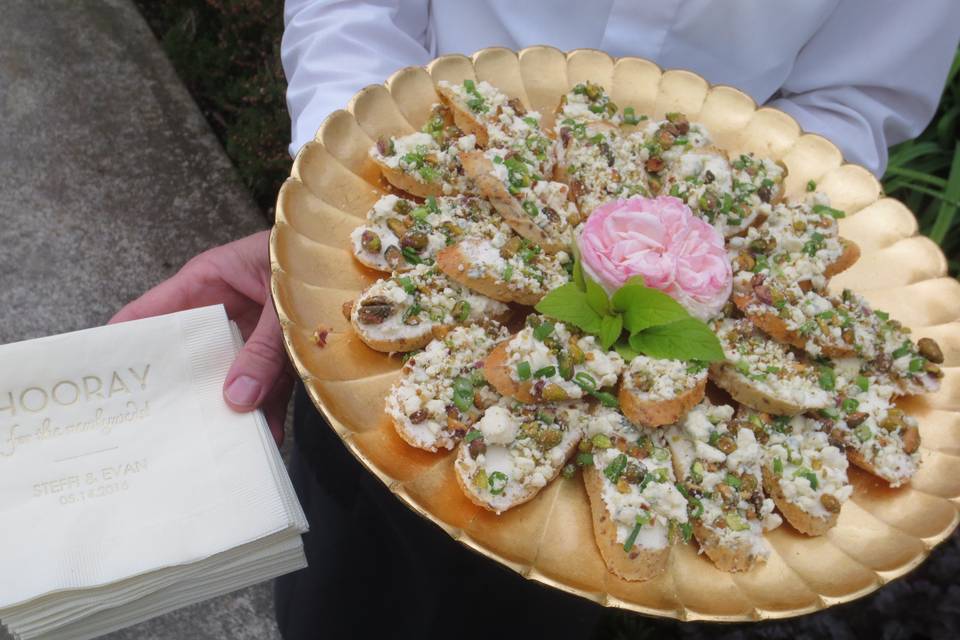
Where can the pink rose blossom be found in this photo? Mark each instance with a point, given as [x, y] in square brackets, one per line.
[661, 240]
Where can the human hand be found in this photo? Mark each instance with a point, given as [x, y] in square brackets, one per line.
[236, 275]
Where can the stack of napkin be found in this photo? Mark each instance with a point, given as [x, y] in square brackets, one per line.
[127, 487]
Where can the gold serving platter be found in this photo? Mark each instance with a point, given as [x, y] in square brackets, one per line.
[882, 533]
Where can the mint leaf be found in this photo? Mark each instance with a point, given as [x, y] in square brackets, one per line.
[578, 269]
[625, 350]
[569, 304]
[596, 296]
[643, 307]
[688, 339]
[610, 329]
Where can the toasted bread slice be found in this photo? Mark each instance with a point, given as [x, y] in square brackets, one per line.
[598, 164]
[405, 312]
[514, 452]
[879, 437]
[638, 513]
[468, 120]
[729, 510]
[420, 165]
[796, 242]
[704, 180]
[655, 393]
[763, 374]
[768, 320]
[550, 219]
[408, 182]
[523, 276]
[803, 471]
[800, 519]
[441, 392]
[637, 564]
[398, 227]
[525, 369]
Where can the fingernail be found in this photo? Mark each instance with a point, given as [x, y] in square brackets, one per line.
[243, 391]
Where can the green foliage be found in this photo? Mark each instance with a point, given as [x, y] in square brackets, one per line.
[925, 172]
[227, 52]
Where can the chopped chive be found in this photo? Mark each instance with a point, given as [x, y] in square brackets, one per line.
[863, 432]
[810, 477]
[632, 538]
[630, 116]
[606, 399]
[407, 284]
[916, 365]
[863, 382]
[850, 405]
[545, 372]
[523, 370]
[473, 435]
[615, 469]
[732, 480]
[584, 459]
[497, 482]
[778, 466]
[811, 185]
[823, 209]
[828, 379]
[585, 381]
[903, 350]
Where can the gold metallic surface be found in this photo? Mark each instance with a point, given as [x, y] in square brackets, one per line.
[882, 533]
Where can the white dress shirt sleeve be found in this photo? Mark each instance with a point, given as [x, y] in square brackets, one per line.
[873, 74]
[331, 49]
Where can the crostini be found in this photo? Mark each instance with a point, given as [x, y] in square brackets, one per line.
[505, 267]
[704, 179]
[841, 326]
[537, 209]
[879, 436]
[803, 472]
[514, 451]
[655, 393]
[596, 163]
[549, 361]
[401, 233]
[441, 392]
[763, 374]
[404, 312]
[638, 512]
[798, 243]
[421, 166]
[719, 466]
[498, 121]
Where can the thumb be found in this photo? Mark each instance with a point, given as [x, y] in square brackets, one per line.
[258, 366]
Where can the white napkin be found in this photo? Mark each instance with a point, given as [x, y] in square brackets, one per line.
[127, 486]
